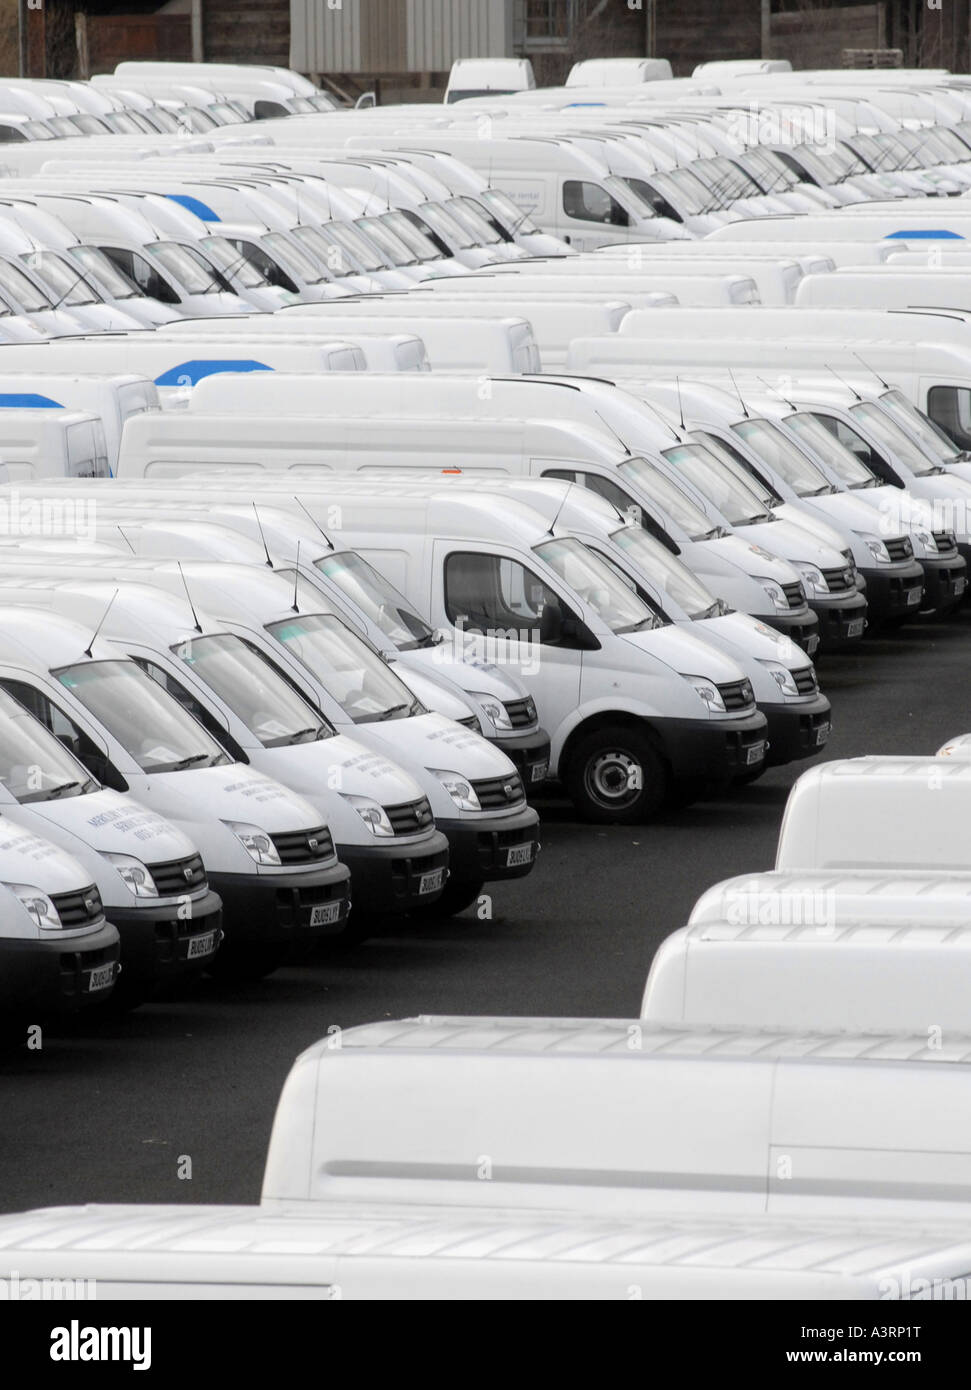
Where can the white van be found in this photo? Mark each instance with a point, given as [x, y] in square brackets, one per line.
[480, 77]
[37, 442]
[112, 398]
[253, 834]
[878, 813]
[692, 285]
[863, 951]
[887, 287]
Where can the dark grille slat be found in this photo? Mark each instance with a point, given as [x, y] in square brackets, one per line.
[471, 723]
[175, 876]
[944, 540]
[79, 909]
[795, 594]
[499, 791]
[838, 581]
[805, 679]
[899, 548]
[736, 695]
[410, 816]
[521, 712]
[304, 846]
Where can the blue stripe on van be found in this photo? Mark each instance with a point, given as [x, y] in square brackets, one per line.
[195, 205]
[925, 234]
[188, 373]
[27, 400]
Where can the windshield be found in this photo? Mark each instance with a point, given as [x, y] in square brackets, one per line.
[380, 601]
[769, 171]
[892, 438]
[67, 285]
[736, 502]
[355, 676]
[293, 259]
[34, 765]
[190, 273]
[512, 218]
[388, 241]
[666, 571]
[453, 233]
[465, 211]
[347, 239]
[850, 470]
[23, 290]
[770, 445]
[232, 262]
[417, 242]
[932, 439]
[105, 273]
[150, 724]
[596, 583]
[685, 193]
[669, 498]
[256, 694]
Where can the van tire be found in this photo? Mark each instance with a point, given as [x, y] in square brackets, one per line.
[615, 775]
[458, 894]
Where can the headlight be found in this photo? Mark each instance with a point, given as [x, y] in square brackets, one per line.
[926, 540]
[459, 788]
[782, 676]
[37, 904]
[708, 691]
[876, 548]
[494, 708]
[255, 841]
[372, 814]
[813, 578]
[775, 592]
[134, 875]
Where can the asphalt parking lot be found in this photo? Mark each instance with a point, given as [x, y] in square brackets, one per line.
[110, 1113]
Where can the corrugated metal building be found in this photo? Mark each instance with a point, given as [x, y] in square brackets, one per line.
[394, 36]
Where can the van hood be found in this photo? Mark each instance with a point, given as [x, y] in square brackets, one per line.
[464, 670]
[343, 765]
[433, 741]
[435, 695]
[687, 653]
[755, 639]
[235, 793]
[844, 509]
[753, 559]
[26, 858]
[110, 823]
[795, 544]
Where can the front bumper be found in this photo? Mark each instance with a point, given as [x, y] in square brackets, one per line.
[159, 944]
[894, 591]
[842, 619]
[945, 582]
[712, 750]
[796, 730]
[388, 876]
[801, 627]
[41, 978]
[530, 754]
[279, 909]
[496, 847]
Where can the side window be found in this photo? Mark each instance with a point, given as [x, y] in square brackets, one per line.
[655, 200]
[268, 268]
[501, 598]
[63, 727]
[145, 276]
[189, 702]
[950, 407]
[588, 202]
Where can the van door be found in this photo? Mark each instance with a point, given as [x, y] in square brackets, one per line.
[502, 611]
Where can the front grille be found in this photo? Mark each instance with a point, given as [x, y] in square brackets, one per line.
[839, 581]
[737, 695]
[472, 722]
[80, 909]
[177, 876]
[499, 791]
[805, 679]
[899, 548]
[304, 846]
[410, 816]
[795, 594]
[944, 540]
[521, 713]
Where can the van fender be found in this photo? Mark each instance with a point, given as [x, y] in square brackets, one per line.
[598, 714]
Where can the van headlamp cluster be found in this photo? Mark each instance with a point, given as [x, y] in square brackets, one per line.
[37, 905]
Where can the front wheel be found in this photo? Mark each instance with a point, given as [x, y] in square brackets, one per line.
[616, 775]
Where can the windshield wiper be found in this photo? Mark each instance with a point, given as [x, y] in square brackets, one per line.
[188, 762]
[308, 735]
[62, 788]
[391, 711]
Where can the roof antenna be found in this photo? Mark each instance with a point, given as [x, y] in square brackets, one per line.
[266, 548]
[296, 579]
[739, 394]
[614, 433]
[680, 402]
[842, 382]
[314, 522]
[774, 391]
[125, 538]
[94, 635]
[556, 518]
[195, 615]
[885, 384]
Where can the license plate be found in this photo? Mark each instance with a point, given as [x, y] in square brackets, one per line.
[822, 734]
[913, 596]
[519, 854]
[812, 643]
[755, 754]
[539, 772]
[960, 584]
[203, 945]
[854, 628]
[325, 914]
[101, 978]
[430, 883]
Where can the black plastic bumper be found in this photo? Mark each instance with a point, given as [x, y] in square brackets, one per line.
[894, 591]
[500, 847]
[945, 582]
[531, 755]
[388, 876]
[41, 978]
[796, 730]
[801, 627]
[159, 944]
[712, 750]
[842, 619]
[279, 909]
